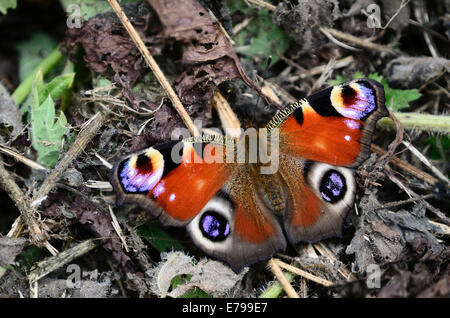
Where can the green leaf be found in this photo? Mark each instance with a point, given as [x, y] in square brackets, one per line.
[195, 293]
[33, 51]
[57, 86]
[180, 280]
[396, 99]
[7, 4]
[434, 152]
[158, 238]
[261, 37]
[47, 129]
[30, 255]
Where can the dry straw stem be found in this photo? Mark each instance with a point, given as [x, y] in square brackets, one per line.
[336, 41]
[346, 61]
[357, 41]
[263, 4]
[118, 229]
[276, 270]
[227, 116]
[154, 67]
[48, 265]
[425, 161]
[30, 163]
[303, 273]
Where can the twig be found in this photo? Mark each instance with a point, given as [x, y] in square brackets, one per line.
[402, 5]
[323, 77]
[422, 158]
[154, 67]
[319, 69]
[400, 131]
[263, 4]
[30, 163]
[37, 235]
[290, 291]
[412, 194]
[240, 26]
[357, 41]
[103, 160]
[48, 265]
[406, 166]
[422, 17]
[390, 174]
[336, 41]
[410, 200]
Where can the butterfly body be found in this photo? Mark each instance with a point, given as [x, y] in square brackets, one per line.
[242, 199]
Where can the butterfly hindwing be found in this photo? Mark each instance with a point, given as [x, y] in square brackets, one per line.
[252, 231]
[319, 197]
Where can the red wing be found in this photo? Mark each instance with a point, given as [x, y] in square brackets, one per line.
[173, 190]
[334, 125]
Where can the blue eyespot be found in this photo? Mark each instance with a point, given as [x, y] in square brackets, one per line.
[214, 226]
[332, 186]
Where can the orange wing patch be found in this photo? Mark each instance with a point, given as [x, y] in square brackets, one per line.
[184, 191]
[334, 140]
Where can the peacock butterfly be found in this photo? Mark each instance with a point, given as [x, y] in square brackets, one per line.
[238, 212]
